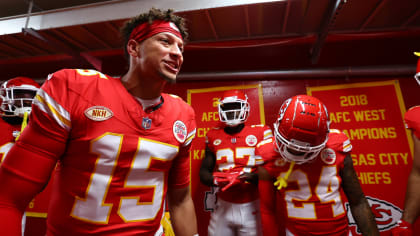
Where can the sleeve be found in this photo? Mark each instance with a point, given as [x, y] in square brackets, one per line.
[24, 173]
[267, 132]
[338, 141]
[412, 120]
[179, 176]
[264, 148]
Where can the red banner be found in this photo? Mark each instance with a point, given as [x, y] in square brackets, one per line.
[371, 114]
[204, 101]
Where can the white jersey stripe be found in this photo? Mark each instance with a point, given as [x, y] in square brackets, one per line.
[48, 105]
[268, 134]
[190, 137]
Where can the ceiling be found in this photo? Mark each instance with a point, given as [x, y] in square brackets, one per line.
[229, 39]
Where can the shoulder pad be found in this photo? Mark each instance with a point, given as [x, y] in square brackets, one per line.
[339, 141]
[264, 142]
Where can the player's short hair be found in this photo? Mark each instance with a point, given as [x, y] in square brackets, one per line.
[152, 15]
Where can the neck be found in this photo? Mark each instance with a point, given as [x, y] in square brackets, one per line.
[142, 86]
[234, 129]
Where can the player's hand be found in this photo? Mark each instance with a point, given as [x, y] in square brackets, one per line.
[402, 229]
[249, 178]
[226, 179]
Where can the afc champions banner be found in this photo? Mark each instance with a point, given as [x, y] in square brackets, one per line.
[371, 114]
[205, 103]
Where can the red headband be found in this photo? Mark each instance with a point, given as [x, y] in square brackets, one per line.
[146, 30]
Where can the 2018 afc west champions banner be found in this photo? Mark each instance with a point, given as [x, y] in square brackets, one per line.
[371, 114]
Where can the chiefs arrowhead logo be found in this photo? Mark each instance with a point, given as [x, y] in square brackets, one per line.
[386, 214]
[251, 140]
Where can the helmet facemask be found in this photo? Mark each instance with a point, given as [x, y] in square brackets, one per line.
[233, 111]
[295, 150]
[16, 101]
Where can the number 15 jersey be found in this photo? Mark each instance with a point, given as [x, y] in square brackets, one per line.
[113, 175]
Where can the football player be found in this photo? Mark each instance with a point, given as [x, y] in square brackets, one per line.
[16, 96]
[121, 145]
[308, 165]
[230, 164]
[412, 197]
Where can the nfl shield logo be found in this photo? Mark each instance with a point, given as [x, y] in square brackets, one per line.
[146, 123]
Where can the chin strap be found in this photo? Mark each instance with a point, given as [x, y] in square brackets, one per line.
[282, 181]
[24, 123]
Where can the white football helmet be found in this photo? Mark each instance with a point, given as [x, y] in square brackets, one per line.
[233, 108]
[17, 95]
[301, 129]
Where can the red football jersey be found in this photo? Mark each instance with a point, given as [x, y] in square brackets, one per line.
[114, 172]
[412, 120]
[312, 198]
[236, 152]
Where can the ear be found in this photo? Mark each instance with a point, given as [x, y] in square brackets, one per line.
[132, 48]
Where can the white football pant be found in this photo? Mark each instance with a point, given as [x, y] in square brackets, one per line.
[235, 219]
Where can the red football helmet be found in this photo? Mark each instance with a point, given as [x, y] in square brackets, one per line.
[16, 96]
[417, 75]
[301, 129]
[233, 107]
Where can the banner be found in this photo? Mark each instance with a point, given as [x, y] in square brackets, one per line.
[205, 103]
[371, 114]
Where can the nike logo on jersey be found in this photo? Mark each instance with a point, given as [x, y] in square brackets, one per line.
[98, 113]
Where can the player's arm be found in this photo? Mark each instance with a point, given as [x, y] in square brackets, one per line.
[359, 206]
[181, 208]
[412, 198]
[23, 174]
[267, 194]
[207, 167]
